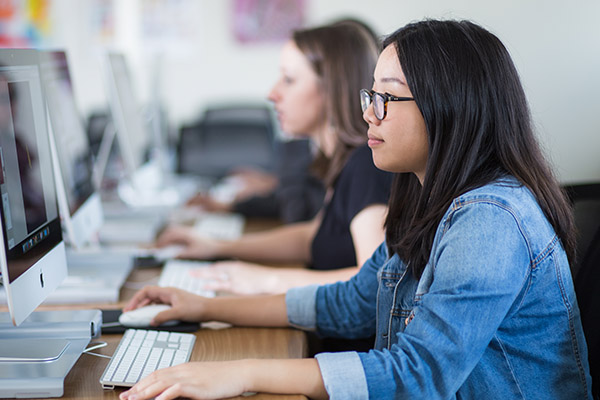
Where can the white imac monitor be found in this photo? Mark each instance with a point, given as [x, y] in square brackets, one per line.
[32, 253]
[78, 200]
[145, 184]
[132, 135]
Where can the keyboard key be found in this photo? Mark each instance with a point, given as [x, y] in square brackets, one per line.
[176, 273]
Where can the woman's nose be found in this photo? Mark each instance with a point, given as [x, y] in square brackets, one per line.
[274, 94]
[369, 116]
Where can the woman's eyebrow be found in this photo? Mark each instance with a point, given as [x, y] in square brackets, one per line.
[392, 80]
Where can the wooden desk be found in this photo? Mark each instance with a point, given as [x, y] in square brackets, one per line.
[214, 343]
[221, 344]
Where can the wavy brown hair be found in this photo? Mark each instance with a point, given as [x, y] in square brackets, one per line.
[479, 129]
[343, 55]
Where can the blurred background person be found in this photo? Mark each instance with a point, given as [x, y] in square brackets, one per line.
[322, 70]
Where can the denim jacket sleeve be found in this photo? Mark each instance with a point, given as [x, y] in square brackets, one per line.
[480, 262]
[343, 309]
[339, 305]
[348, 309]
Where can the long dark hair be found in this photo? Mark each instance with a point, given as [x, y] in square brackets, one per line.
[479, 129]
[343, 55]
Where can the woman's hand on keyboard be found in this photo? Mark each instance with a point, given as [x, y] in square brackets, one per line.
[185, 306]
[207, 203]
[206, 380]
[238, 277]
[175, 234]
[225, 379]
[196, 247]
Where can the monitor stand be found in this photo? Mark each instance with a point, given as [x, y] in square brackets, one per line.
[27, 350]
[36, 356]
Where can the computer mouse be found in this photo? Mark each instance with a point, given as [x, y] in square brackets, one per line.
[141, 317]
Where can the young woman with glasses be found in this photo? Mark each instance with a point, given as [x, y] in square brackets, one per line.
[470, 296]
[322, 69]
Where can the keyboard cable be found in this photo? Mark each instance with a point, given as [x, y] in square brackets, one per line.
[96, 346]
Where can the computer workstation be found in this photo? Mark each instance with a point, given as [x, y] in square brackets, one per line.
[36, 350]
[95, 272]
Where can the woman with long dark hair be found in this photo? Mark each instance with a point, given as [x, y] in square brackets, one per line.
[471, 295]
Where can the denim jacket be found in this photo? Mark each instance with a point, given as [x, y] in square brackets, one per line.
[493, 316]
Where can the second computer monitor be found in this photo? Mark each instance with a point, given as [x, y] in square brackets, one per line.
[132, 134]
[79, 202]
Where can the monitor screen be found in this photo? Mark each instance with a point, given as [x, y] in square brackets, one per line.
[78, 201]
[31, 230]
[132, 134]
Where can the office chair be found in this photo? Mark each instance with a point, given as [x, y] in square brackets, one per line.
[586, 205]
[226, 138]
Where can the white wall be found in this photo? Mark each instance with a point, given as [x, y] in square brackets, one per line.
[555, 44]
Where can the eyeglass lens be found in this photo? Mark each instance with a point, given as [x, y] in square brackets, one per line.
[366, 98]
[378, 105]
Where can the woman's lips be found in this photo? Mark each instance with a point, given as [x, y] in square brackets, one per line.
[374, 140]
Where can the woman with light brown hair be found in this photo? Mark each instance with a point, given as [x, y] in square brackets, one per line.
[322, 70]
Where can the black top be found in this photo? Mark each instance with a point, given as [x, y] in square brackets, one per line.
[359, 185]
[299, 194]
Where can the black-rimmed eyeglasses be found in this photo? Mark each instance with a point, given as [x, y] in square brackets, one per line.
[379, 100]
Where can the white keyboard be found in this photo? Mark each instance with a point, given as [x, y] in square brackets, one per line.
[176, 273]
[224, 226]
[141, 352]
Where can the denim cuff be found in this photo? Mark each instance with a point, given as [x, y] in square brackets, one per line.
[301, 307]
[343, 375]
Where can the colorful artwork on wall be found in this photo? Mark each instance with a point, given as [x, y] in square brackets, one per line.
[24, 23]
[266, 20]
[102, 22]
[169, 26]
